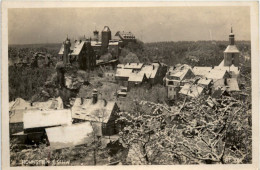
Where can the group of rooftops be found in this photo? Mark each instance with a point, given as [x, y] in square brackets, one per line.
[136, 71]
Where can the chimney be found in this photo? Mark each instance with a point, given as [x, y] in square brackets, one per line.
[82, 100]
[95, 96]
[153, 67]
[31, 103]
[225, 81]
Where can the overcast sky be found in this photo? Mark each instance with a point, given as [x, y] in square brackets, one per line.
[29, 26]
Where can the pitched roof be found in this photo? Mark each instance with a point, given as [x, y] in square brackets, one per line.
[233, 70]
[216, 74]
[69, 136]
[133, 65]
[17, 116]
[231, 49]
[136, 77]
[61, 49]
[201, 71]
[191, 90]
[204, 81]
[179, 70]
[123, 72]
[21, 104]
[78, 47]
[231, 84]
[125, 35]
[150, 70]
[46, 118]
[98, 112]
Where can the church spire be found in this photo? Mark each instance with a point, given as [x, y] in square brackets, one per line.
[231, 37]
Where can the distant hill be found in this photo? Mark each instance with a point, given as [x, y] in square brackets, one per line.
[49, 46]
[200, 53]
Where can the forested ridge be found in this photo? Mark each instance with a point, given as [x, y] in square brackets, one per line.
[25, 82]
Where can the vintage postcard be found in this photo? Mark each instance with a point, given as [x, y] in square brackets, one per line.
[112, 84]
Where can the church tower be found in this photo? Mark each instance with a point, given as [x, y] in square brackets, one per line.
[231, 54]
[66, 51]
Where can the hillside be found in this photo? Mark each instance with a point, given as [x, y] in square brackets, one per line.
[26, 82]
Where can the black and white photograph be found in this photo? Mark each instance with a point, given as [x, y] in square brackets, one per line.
[130, 85]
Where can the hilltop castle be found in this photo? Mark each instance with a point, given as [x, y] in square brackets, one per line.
[85, 51]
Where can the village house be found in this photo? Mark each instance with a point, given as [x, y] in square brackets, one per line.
[110, 76]
[136, 74]
[191, 90]
[227, 72]
[175, 78]
[206, 84]
[97, 111]
[35, 122]
[38, 120]
[18, 107]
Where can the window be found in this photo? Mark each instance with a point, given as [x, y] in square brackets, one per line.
[170, 82]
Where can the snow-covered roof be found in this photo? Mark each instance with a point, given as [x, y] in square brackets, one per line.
[216, 74]
[204, 81]
[231, 84]
[46, 118]
[120, 66]
[201, 71]
[233, 70]
[113, 43]
[123, 72]
[136, 77]
[191, 90]
[21, 104]
[78, 47]
[231, 49]
[125, 35]
[95, 43]
[179, 70]
[150, 70]
[98, 112]
[69, 136]
[133, 65]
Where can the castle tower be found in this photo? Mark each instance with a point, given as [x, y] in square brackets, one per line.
[231, 54]
[66, 52]
[106, 36]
